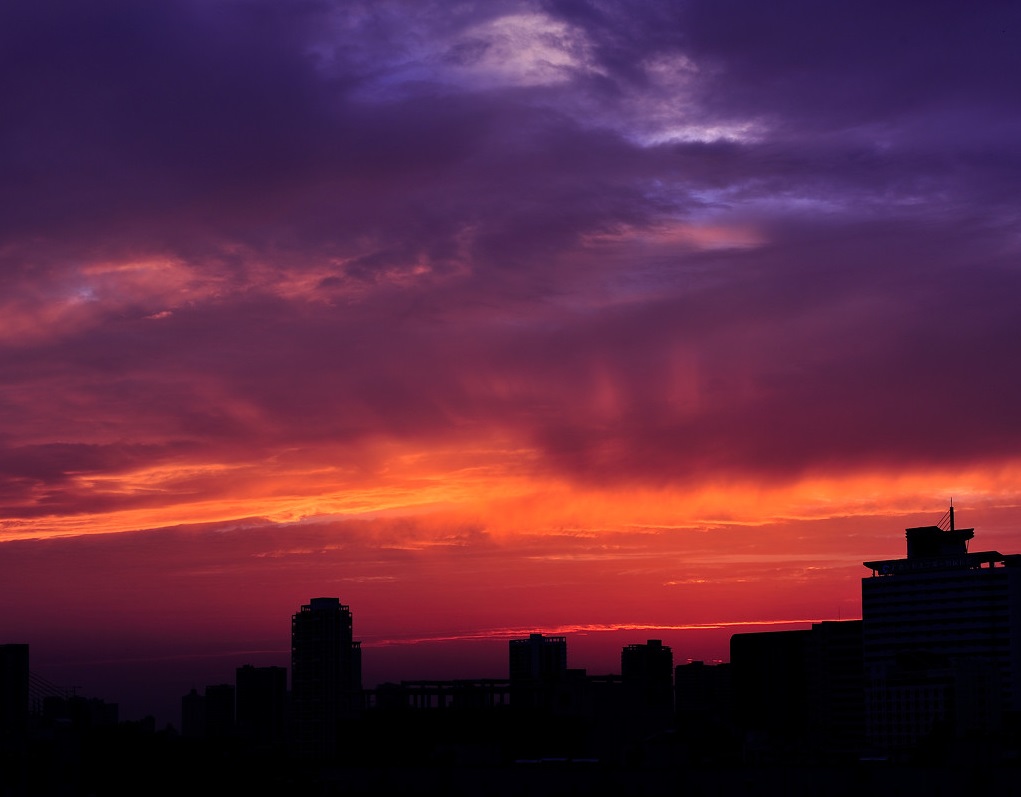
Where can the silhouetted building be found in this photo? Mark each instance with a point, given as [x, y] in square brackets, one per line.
[770, 672]
[219, 704]
[648, 675]
[538, 666]
[703, 692]
[938, 625]
[13, 693]
[836, 705]
[193, 715]
[705, 711]
[800, 690]
[538, 658]
[260, 703]
[326, 674]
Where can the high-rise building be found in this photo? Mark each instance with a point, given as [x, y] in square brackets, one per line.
[326, 674]
[538, 658]
[538, 673]
[647, 672]
[941, 636]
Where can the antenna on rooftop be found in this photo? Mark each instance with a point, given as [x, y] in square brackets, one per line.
[946, 523]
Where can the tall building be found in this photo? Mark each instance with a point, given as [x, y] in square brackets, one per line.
[538, 673]
[538, 658]
[647, 672]
[326, 674]
[941, 636]
[770, 683]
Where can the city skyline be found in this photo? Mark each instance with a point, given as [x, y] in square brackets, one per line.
[154, 685]
[620, 321]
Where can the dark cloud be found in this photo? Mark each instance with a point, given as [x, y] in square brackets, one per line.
[674, 242]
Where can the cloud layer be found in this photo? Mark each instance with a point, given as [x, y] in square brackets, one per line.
[696, 241]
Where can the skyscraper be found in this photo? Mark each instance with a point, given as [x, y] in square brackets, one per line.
[941, 636]
[326, 674]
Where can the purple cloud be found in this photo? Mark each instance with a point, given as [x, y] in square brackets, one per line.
[681, 241]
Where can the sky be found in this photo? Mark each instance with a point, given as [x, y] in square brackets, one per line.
[616, 320]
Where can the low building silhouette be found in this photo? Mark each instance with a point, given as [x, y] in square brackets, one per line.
[193, 715]
[705, 711]
[219, 710]
[703, 692]
[260, 704]
[14, 691]
[799, 693]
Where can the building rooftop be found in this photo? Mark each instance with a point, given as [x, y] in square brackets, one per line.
[938, 548]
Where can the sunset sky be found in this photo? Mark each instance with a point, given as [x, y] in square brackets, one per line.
[623, 320]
